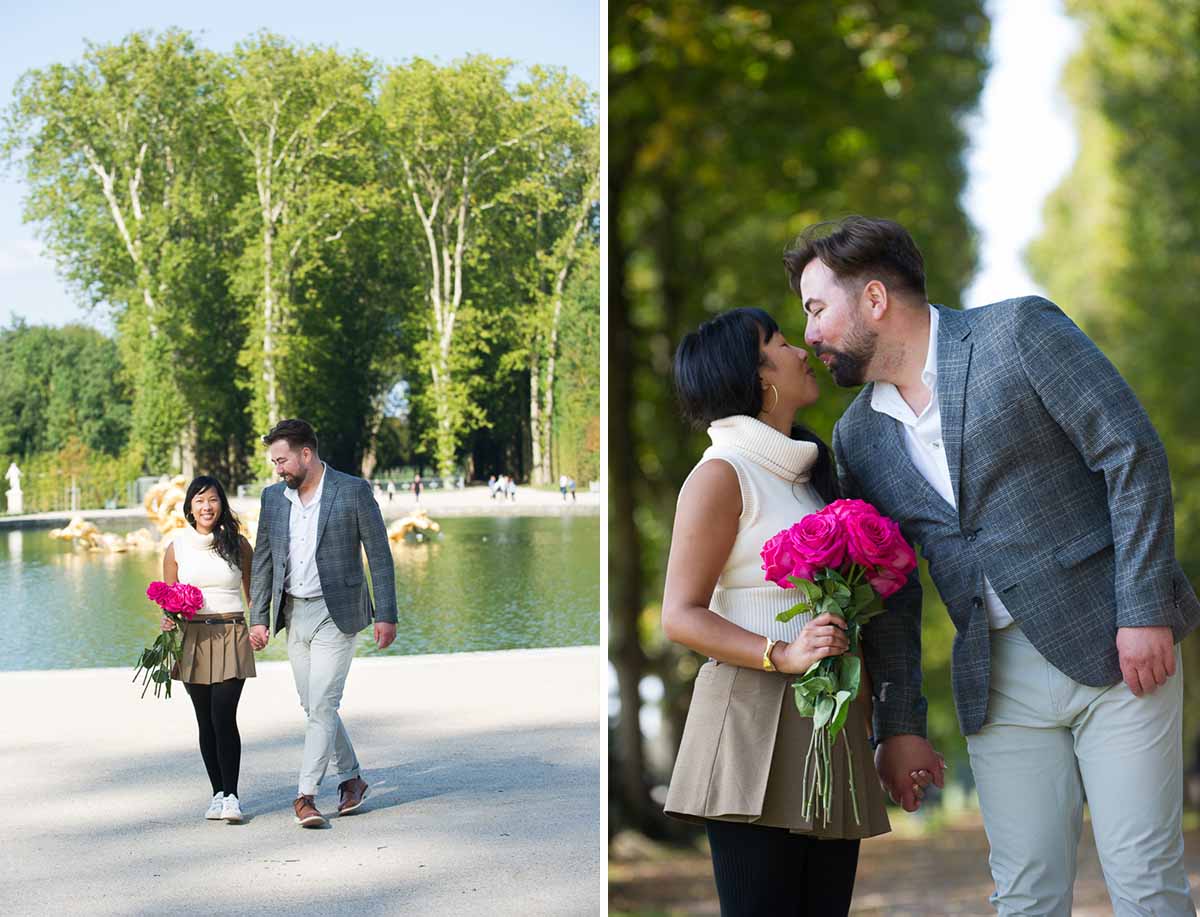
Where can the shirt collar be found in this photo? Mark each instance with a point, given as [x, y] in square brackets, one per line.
[886, 398]
[294, 495]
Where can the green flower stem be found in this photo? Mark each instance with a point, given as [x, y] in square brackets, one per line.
[857, 572]
[850, 772]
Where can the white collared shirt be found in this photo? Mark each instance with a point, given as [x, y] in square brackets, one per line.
[301, 578]
[923, 441]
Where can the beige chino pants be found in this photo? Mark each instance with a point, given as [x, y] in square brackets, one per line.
[320, 655]
[1048, 744]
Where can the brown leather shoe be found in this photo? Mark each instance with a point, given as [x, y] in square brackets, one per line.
[351, 794]
[307, 815]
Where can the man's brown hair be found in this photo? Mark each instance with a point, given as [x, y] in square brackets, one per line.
[298, 433]
[860, 249]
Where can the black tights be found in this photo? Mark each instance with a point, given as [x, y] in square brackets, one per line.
[763, 872]
[220, 743]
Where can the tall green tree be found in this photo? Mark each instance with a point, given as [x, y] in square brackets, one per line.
[305, 119]
[451, 136]
[558, 202]
[111, 148]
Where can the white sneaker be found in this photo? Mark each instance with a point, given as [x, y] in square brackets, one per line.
[231, 811]
[215, 807]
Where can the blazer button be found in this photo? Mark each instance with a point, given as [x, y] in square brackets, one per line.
[977, 602]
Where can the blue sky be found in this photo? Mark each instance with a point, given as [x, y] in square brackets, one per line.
[562, 33]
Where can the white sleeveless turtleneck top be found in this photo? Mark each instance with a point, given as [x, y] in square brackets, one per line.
[204, 568]
[773, 474]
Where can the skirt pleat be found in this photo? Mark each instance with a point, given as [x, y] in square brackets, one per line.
[213, 653]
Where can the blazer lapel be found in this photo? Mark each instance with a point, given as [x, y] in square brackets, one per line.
[283, 516]
[328, 493]
[954, 361]
[893, 441]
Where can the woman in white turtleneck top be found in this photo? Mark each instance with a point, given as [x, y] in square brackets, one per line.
[739, 767]
[216, 657]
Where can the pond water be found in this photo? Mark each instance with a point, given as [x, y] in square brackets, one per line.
[485, 583]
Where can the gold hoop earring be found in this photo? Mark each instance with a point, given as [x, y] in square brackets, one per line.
[774, 403]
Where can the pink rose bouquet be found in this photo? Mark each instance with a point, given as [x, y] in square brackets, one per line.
[844, 560]
[180, 602]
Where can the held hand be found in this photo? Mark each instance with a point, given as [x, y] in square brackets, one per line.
[167, 623]
[384, 634]
[824, 635]
[259, 636]
[1147, 656]
[906, 765]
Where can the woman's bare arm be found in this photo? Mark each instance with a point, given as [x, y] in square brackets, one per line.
[170, 567]
[170, 577]
[706, 526]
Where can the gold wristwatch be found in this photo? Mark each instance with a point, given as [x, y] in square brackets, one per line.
[769, 666]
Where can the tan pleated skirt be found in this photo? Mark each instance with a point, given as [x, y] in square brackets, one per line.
[742, 759]
[213, 653]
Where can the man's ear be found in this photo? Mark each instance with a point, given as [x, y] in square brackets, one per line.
[875, 297]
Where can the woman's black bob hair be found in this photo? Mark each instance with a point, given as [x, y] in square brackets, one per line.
[717, 375]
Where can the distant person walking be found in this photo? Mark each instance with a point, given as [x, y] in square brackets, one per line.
[492, 486]
[417, 487]
[571, 488]
[562, 486]
[391, 491]
[512, 489]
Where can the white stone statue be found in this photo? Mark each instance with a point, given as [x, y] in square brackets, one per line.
[16, 500]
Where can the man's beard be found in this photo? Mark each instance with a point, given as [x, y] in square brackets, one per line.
[294, 482]
[849, 368]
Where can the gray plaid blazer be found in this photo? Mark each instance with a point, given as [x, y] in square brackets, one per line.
[348, 522]
[1064, 503]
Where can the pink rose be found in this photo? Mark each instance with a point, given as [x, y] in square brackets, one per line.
[843, 509]
[886, 582]
[779, 559]
[190, 599]
[156, 590]
[819, 540]
[875, 542]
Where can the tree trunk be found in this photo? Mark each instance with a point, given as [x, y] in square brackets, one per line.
[625, 554]
[548, 420]
[539, 472]
[269, 329]
[188, 439]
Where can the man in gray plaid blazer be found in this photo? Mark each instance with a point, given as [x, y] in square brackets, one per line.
[1013, 453]
[312, 529]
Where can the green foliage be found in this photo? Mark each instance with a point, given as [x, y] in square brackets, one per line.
[577, 394]
[60, 383]
[250, 222]
[47, 477]
[472, 162]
